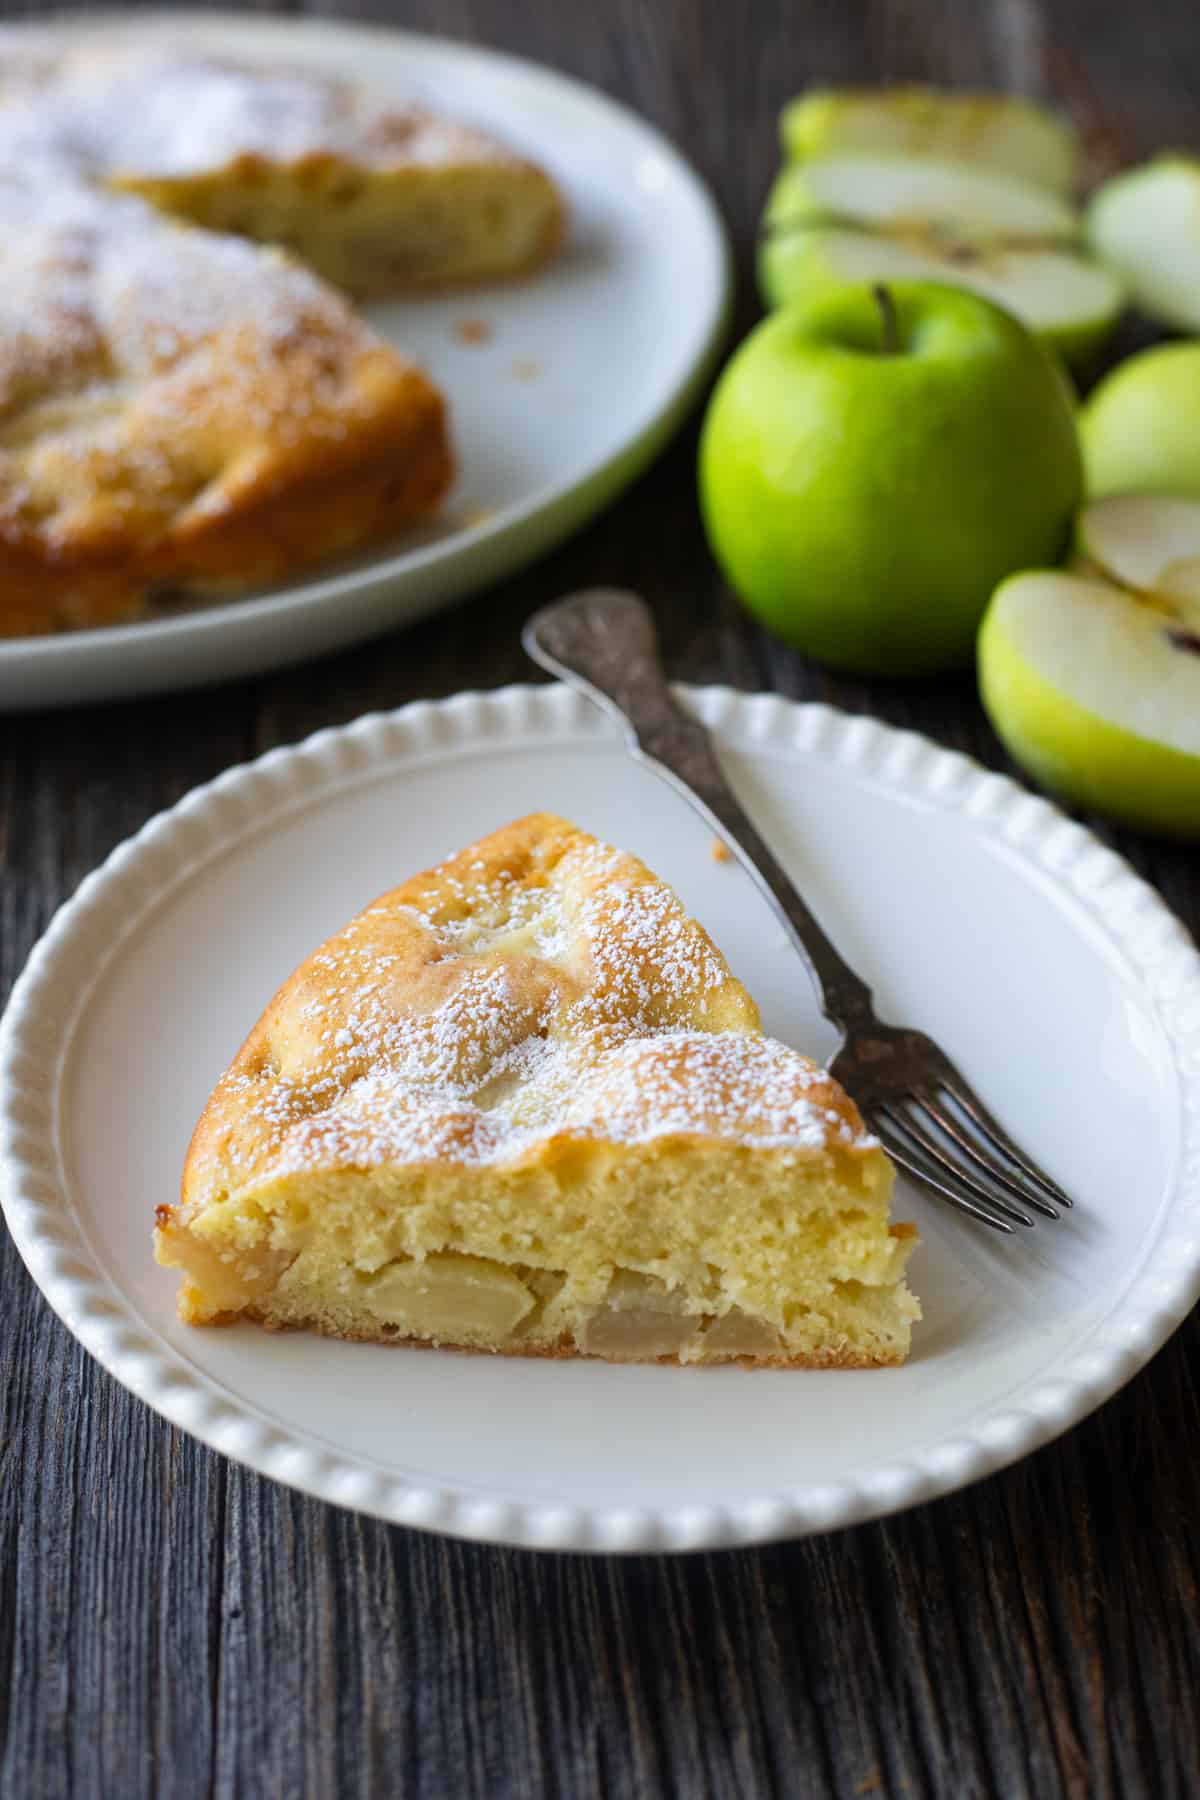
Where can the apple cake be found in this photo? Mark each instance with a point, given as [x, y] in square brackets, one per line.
[520, 1104]
[375, 196]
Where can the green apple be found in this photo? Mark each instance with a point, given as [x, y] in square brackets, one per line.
[878, 218]
[873, 462]
[1149, 543]
[1145, 224]
[1096, 692]
[996, 131]
[1140, 427]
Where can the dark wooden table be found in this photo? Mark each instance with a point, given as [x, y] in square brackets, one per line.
[170, 1624]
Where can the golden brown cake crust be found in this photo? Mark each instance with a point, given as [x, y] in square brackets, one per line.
[184, 411]
[564, 1350]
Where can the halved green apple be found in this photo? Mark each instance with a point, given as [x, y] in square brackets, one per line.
[996, 131]
[878, 218]
[1095, 691]
[1147, 542]
[1145, 225]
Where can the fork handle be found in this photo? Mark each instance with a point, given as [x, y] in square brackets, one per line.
[604, 643]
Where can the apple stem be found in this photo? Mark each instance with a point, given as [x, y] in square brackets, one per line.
[887, 312]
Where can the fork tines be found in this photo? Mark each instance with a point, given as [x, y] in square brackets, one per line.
[947, 1140]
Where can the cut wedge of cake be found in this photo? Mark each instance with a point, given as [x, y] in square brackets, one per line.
[377, 196]
[520, 1104]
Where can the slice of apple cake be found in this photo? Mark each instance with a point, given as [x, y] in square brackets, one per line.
[520, 1104]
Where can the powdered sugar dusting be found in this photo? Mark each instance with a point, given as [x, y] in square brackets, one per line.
[724, 1084]
[645, 945]
[487, 1009]
[153, 290]
[136, 357]
[102, 113]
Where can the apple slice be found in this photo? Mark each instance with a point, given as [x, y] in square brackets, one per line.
[870, 218]
[995, 131]
[1096, 692]
[1147, 542]
[1069, 303]
[916, 194]
[1145, 225]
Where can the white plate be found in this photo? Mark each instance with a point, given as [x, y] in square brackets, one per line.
[589, 365]
[1055, 976]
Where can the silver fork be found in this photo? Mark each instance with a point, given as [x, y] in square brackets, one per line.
[931, 1120]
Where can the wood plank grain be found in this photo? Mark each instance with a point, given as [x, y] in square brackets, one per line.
[171, 1625]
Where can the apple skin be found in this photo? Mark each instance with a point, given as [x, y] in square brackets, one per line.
[1140, 427]
[865, 504]
[1076, 754]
